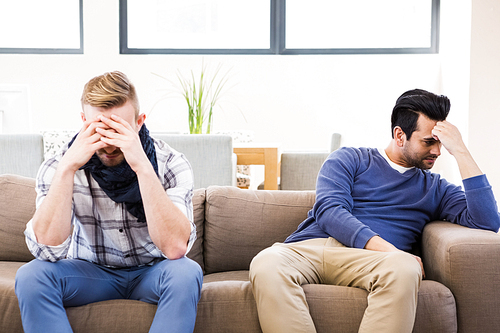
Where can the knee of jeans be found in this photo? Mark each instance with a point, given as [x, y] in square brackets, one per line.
[184, 272]
[29, 276]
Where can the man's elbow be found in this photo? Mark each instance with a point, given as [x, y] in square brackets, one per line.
[174, 252]
[496, 225]
[492, 224]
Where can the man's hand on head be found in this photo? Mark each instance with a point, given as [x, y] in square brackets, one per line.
[87, 142]
[449, 135]
[119, 133]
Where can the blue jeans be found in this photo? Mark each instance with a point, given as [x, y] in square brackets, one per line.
[45, 288]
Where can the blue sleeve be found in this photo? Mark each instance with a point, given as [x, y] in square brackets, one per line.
[334, 204]
[476, 209]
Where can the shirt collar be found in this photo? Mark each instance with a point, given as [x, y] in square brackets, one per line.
[395, 166]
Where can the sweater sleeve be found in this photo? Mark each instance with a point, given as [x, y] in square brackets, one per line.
[476, 209]
[334, 203]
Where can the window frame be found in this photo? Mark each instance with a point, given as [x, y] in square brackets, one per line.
[29, 50]
[124, 49]
[277, 39]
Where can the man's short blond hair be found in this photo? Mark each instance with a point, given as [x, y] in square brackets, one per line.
[109, 90]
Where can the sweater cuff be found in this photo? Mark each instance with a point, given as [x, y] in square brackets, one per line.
[363, 237]
[475, 182]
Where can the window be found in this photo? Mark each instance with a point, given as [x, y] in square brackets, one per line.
[278, 26]
[34, 26]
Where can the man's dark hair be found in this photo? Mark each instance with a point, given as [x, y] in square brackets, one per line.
[415, 102]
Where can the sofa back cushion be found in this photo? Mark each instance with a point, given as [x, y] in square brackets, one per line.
[21, 154]
[241, 223]
[210, 156]
[17, 206]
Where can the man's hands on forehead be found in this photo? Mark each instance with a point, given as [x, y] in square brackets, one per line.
[118, 133]
[104, 135]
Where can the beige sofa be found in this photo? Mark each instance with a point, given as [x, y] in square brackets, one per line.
[462, 265]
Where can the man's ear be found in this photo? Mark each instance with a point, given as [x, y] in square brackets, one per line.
[399, 136]
[83, 116]
[140, 121]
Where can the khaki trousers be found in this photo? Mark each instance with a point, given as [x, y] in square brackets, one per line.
[391, 278]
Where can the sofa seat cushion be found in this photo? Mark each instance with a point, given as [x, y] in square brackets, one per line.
[10, 316]
[227, 305]
[343, 308]
[226, 295]
[114, 316]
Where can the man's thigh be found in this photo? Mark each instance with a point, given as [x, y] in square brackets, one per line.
[150, 282]
[345, 266]
[78, 282]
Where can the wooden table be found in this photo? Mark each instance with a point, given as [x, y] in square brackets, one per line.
[260, 154]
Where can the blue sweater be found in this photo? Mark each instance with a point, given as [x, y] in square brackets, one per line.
[359, 195]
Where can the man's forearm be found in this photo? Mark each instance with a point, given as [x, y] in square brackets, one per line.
[467, 165]
[168, 227]
[52, 220]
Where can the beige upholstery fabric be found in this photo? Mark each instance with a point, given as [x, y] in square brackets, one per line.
[227, 304]
[10, 316]
[466, 260]
[17, 206]
[240, 223]
[343, 307]
[102, 317]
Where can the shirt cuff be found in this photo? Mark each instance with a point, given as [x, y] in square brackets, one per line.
[362, 237]
[42, 251]
[475, 182]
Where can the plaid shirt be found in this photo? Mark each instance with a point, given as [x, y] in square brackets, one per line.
[104, 232]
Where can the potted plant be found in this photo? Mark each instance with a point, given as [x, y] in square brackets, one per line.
[202, 94]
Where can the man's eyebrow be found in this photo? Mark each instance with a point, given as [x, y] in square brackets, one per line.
[429, 139]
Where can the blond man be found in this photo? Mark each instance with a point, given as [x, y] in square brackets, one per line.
[114, 220]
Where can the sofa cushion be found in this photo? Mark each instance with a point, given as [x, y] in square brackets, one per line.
[343, 308]
[17, 206]
[21, 154]
[210, 156]
[227, 304]
[240, 223]
[196, 252]
[333, 308]
[114, 316]
[10, 316]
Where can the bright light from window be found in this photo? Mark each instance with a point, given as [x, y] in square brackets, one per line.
[47, 24]
[325, 24]
[198, 24]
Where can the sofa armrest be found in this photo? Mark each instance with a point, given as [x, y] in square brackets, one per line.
[467, 261]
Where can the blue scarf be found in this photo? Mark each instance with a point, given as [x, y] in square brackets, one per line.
[120, 182]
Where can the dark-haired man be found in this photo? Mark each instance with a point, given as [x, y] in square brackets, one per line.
[114, 220]
[371, 207]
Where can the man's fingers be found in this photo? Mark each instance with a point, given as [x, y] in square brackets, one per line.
[116, 123]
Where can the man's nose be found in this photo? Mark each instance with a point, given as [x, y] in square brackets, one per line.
[436, 149]
[109, 149]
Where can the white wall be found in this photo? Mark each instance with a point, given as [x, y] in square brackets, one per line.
[297, 101]
[484, 116]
